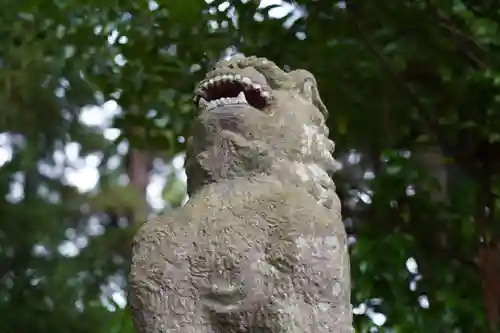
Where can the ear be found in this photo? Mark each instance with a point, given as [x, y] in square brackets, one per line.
[307, 88]
[306, 84]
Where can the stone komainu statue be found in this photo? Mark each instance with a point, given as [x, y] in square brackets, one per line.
[260, 245]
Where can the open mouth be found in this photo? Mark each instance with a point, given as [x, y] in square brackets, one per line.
[229, 89]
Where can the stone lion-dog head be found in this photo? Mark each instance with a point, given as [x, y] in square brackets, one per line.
[262, 120]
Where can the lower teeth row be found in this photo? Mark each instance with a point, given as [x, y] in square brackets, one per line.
[223, 101]
[240, 99]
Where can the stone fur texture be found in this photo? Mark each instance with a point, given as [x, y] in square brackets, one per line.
[260, 246]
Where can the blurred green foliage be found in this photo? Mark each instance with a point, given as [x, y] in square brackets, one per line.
[413, 90]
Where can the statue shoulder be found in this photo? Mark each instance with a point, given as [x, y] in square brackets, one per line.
[169, 227]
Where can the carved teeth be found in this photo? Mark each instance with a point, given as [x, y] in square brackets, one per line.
[241, 97]
[202, 102]
[201, 94]
[246, 81]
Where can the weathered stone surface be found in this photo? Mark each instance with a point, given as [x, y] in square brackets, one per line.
[260, 245]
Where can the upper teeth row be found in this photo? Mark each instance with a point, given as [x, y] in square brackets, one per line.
[230, 77]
